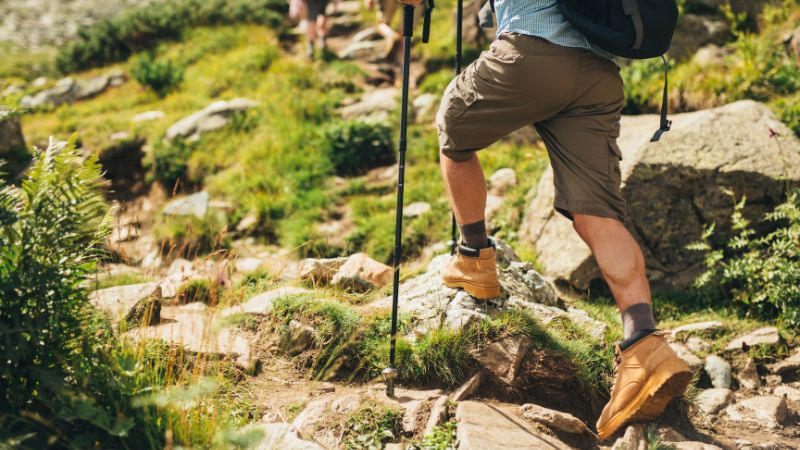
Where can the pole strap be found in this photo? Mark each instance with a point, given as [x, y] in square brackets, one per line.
[665, 124]
[426, 24]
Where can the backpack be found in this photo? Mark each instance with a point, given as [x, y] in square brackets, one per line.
[636, 29]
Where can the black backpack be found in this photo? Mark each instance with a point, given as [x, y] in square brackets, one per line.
[636, 29]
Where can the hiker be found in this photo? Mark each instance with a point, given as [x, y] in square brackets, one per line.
[386, 12]
[316, 26]
[541, 70]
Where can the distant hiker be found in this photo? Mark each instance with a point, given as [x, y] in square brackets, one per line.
[316, 26]
[541, 70]
[386, 13]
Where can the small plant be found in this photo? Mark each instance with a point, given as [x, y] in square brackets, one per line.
[170, 163]
[161, 77]
[355, 147]
[372, 426]
[761, 274]
[200, 290]
[443, 437]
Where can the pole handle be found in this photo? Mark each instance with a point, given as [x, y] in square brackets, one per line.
[426, 24]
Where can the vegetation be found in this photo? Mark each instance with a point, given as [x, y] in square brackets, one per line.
[354, 147]
[372, 426]
[159, 77]
[760, 273]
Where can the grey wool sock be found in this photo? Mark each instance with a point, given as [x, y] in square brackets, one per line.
[474, 235]
[638, 317]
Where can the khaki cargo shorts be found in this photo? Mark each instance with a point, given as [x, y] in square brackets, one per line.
[573, 97]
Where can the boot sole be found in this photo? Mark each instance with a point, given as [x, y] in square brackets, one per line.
[479, 291]
[650, 402]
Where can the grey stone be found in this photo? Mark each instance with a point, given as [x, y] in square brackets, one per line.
[212, 117]
[468, 388]
[425, 106]
[68, 90]
[712, 401]
[192, 205]
[748, 377]
[503, 358]
[361, 273]
[493, 205]
[297, 338]
[687, 356]
[247, 264]
[686, 170]
[437, 416]
[690, 445]
[765, 411]
[633, 439]
[313, 412]
[376, 104]
[416, 209]
[148, 116]
[767, 336]
[364, 50]
[13, 151]
[481, 426]
[788, 366]
[118, 301]
[719, 371]
[319, 271]
[145, 312]
[502, 180]
[698, 345]
[554, 419]
[280, 436]
[261, 304]
[710, 55]
[790, 393]
[699, 327]
[695, 31]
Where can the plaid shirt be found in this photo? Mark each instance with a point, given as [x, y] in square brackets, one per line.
[541, 18]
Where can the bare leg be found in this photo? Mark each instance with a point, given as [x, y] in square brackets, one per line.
[466, 187]
[322, 26]
[619, 257]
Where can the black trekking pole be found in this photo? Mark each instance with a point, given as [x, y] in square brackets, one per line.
[459, 20]
[390, 373]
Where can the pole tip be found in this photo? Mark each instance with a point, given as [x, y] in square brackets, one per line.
[389, 375]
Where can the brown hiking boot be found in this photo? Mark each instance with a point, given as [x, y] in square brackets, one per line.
[474, 271]
[649, 375]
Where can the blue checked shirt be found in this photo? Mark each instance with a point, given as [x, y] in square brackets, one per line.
[541, 18]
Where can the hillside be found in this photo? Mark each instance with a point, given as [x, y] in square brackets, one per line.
[225, 282]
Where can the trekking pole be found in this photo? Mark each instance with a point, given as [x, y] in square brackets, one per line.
[390, 373]
[459, 19]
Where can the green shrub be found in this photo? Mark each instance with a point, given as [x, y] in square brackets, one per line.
[116, 39]
[355, 147]
[788, 110]
[59, 385]
[372, 426]
[760, 274]
[170, 163]
[159, 77]
[189, 236]
[200, 290]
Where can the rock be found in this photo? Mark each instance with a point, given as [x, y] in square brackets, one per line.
[68, 90]
[695, 31]
[687, 445]
[280, 436]
[13, 151]
[710, 55]
[554, 419]
[416, 209]
[192, 205]
[373, 105]
[669, 434]
[247, 264]
[767, 336]
[481, 426]
[297, 338]
[719, 371]
[503, 358]
[712, 401]
[790, 393]
[346, 404]
[687, 356]
[247, 223]
[319, 271]
[364, 50]
[473, 33]
[146, 312]
[212, 117]
[748, 377]
[468, 388]
[311, 415]
[502, 180]
[787, 367]
[148, 116]
[765, 411]
[118, 301]
[361, 273]
[261, 304]
[700, 327]
[792, 43]
[437, 416]
[425, 106]
[686, 170]
[493, 205]
[698, 345]
[633, 439]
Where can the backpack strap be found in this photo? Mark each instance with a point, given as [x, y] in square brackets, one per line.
[491, 2]
[631, 8]
[665, 124]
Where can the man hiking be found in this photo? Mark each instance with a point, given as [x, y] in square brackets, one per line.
[542, 71]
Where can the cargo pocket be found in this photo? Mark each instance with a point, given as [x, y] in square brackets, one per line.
[463, 94]
[614, 171]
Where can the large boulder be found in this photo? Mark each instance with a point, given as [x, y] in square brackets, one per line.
[213, 117]
[695, 31]
[68, 90]
[13, 151]
[675, 188]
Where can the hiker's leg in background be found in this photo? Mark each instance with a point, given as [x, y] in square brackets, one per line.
[466, 187]
[322, 25]
[619, 257]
